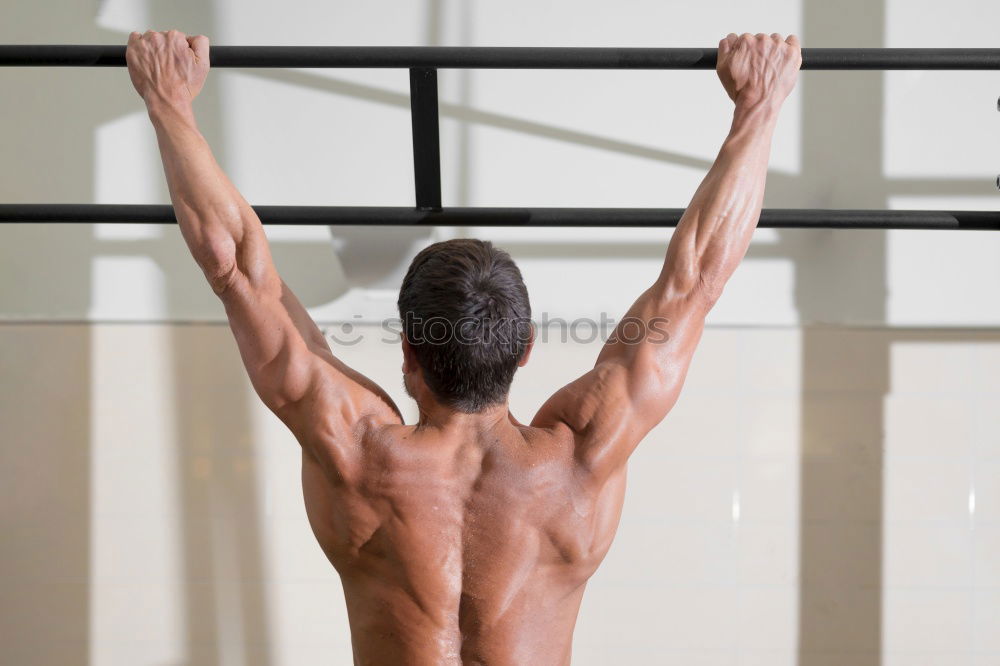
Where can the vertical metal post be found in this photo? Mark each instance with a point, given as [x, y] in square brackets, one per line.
[426, 141]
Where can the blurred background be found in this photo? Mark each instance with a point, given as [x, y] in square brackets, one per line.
[827, 490]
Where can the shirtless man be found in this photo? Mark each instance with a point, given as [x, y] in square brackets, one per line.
[467, 537]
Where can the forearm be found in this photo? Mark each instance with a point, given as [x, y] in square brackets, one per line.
[216, 222]
[715, 231]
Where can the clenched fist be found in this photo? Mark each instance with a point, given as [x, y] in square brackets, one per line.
[168, 66]
[759, 68]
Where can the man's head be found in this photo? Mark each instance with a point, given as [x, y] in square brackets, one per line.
[466, 323]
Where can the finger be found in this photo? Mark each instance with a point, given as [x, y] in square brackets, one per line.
[134, 37]
[199, 44]
[776, 37]
[793, 40]
[761, 36]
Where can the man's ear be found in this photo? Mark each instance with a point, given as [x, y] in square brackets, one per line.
[409, 359]
[528, 347]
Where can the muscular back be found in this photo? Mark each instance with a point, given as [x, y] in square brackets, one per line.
[468, 546]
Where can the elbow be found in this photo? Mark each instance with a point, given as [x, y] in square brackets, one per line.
[695, 285]
[212, 234]
[222, 278]
[219, 266]
[709, 289]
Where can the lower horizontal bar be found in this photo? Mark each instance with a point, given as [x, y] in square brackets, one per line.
[499, 57]
[777, 218]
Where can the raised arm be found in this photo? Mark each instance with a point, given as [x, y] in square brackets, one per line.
[640, 371]
[289, 362]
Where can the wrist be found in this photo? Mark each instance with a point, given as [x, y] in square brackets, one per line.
[163, 108]
[758, 113]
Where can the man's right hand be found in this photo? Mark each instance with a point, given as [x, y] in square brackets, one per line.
[755, 69]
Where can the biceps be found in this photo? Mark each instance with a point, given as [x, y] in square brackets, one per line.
[635, 383]
[654, 345]
[658, 370]
[281, 366]
[291, 366]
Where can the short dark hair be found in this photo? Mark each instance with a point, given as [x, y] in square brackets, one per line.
[465, 313]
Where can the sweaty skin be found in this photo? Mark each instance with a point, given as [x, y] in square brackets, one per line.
[464, 538]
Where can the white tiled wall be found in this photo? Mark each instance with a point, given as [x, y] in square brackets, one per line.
[787, 512]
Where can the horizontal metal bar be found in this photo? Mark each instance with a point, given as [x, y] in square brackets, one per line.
[778, 218]
[479, 57]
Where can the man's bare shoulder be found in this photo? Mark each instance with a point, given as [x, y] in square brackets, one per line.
[574, 406]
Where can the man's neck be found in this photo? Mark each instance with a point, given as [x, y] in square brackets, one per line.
[435, 415]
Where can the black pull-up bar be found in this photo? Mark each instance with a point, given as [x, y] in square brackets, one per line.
[493, 57]
[423, 63]
[776, 218]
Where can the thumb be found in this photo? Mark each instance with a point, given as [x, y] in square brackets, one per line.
[199, 44]
[726, 45]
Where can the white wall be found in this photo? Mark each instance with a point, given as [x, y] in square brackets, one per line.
[824, 493]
